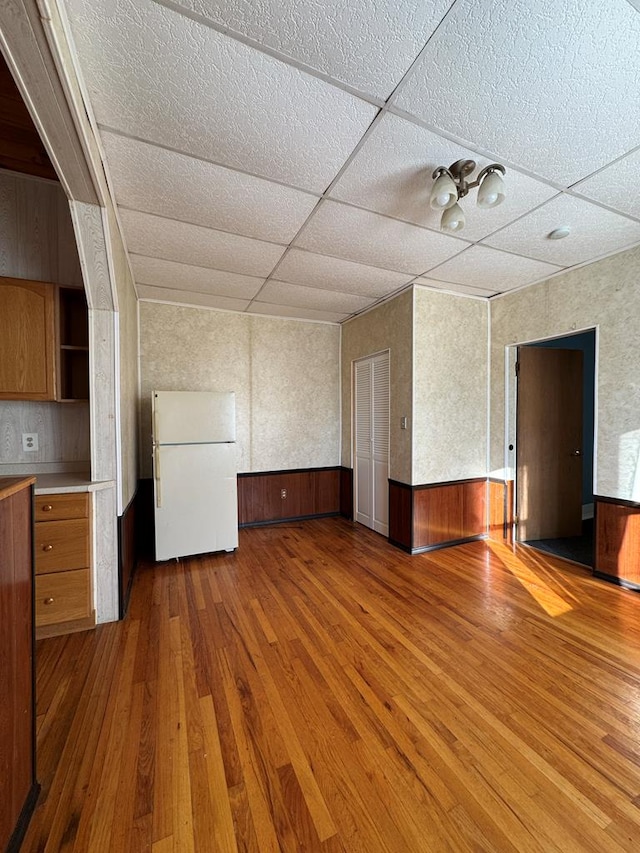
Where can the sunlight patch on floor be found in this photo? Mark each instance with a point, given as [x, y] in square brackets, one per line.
[533, 580]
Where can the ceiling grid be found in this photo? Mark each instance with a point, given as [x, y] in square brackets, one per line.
[276, 157]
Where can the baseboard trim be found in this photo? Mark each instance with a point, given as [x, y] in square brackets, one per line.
[453, 542]
[293, 518]
[632, 587]
[20, 829]
[74, 626]
[400, 545]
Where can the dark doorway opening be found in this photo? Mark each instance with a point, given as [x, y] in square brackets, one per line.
[578, 548]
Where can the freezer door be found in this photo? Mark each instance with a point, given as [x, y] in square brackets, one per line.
[191, 417]
[196, 499]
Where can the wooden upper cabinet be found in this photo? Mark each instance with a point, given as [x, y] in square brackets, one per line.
[27, 340]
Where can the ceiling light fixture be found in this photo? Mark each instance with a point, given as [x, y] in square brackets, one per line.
[559, 233]
[450, 185]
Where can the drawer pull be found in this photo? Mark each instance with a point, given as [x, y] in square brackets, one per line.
[48, 601]
[47, 508]
[47, 547]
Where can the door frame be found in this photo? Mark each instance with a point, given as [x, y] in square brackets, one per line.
[387, 351]
[511, 408]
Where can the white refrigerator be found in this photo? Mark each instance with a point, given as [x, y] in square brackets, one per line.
[194, 468]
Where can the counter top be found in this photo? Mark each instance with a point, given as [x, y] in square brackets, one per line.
[10, 485]
[52, 484]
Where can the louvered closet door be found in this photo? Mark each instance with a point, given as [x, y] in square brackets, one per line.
[371, 432]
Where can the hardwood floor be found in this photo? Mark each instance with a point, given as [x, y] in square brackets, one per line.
[320, 690]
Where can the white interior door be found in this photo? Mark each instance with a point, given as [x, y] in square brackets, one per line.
[371, 438]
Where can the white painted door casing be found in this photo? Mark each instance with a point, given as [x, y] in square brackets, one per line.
[371, 439]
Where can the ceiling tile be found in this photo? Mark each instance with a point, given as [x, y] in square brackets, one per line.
[368, 44]
[158, 181]
[615, 185]
[282, 293]
[157, 237]
[594, 232]
[159, 75]
[161, 273]
[392, 172]
[296, 313]
[325, 272]
[490, 269]
[368, 238]
[498, 73]
[457, 288]
[165, 294]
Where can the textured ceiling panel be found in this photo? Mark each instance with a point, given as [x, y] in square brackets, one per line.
[616, 185]
[156, 74]
[301, 313]
[165, 294]
[312, 270]
[241, 143]
[531, 81]
[368, 238]
[157, 181]
[160, 273]
[367, 44]
[392, 174]
[482, 267]
[456, 288]
[191, 244]
[282, 293]
[594, 232]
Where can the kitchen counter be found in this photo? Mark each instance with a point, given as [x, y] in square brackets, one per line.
[10, 485]
[52, 484]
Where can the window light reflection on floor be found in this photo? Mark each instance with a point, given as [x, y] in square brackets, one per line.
[533, 581]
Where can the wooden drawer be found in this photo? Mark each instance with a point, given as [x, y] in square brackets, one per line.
[63, 596]
[56, 507]
[61, 545]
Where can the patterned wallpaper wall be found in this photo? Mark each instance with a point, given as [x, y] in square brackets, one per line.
[387, 327]
[450, 387]
[37, 242]
[605, 295]
[285, 374]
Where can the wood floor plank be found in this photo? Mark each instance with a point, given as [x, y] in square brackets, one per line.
[319, 690]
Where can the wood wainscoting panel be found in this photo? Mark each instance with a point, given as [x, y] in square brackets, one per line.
[401, 515]
[127, 551]
[617, 545]
[500, 498]
[346, 492]
[449, 512]
[279, 495]
[497, 497]
[17, 713]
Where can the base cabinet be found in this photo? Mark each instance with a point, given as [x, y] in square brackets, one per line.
[63, 564]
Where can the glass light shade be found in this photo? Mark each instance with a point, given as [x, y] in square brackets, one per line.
[444, 193]
[491, 190]
[452, 219]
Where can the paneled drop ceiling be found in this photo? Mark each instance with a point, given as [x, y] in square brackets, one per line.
[276, 157]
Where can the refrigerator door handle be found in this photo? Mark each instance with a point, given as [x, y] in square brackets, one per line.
[157, 476]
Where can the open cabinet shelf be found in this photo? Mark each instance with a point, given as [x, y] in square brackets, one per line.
[73, 354]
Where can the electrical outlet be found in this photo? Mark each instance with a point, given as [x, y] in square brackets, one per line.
[283, 494]
[29, 441]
